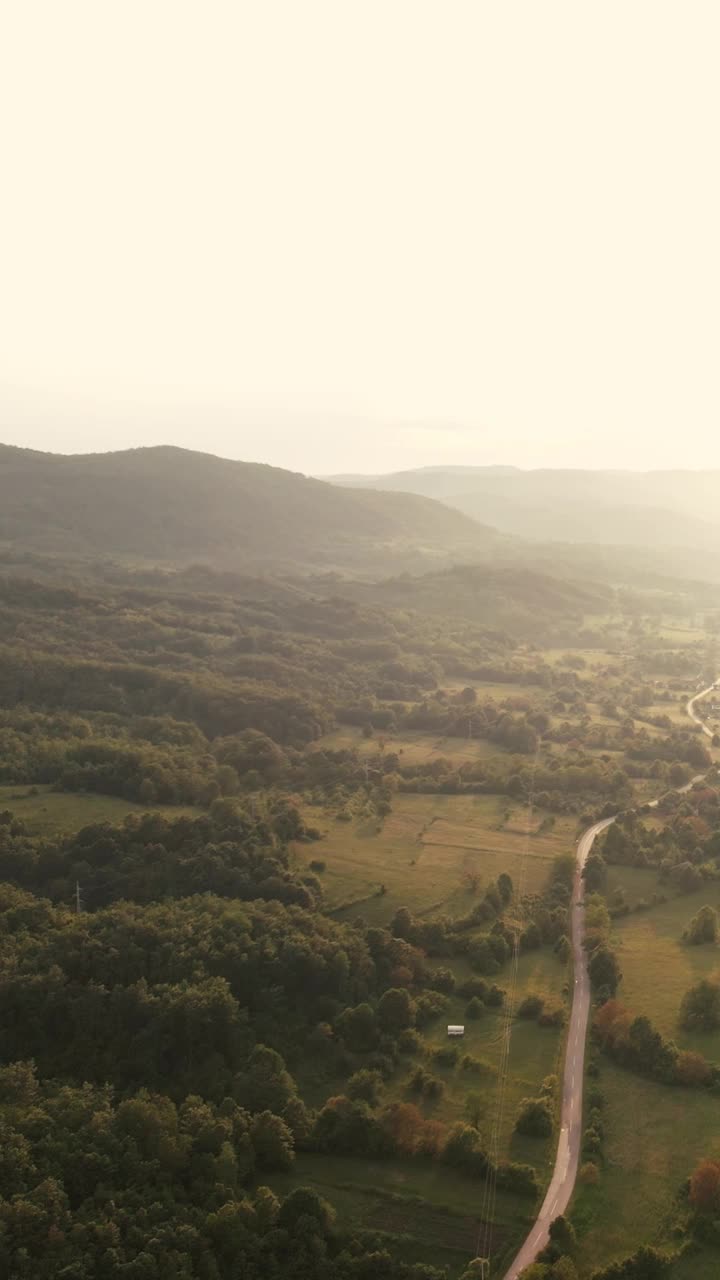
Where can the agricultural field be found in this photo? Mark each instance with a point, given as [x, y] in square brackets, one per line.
[431, 854]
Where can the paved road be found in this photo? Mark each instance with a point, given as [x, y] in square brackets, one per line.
[692, 713]
[567, 1159]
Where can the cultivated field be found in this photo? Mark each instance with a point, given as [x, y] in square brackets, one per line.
[423, 852]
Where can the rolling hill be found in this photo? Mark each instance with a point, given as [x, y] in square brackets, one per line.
[173, 505]
[623, 508]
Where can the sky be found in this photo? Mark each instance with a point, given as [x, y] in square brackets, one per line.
[363, 235]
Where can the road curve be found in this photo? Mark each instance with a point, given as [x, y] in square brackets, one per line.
[562, 1183]
[690, 708]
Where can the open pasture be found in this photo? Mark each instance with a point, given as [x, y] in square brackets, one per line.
[422, 854]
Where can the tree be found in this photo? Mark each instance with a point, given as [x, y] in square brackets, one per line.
[505, 887]
[404, 1124]
[273, 1142]
[534, 1118]
[366, 1086]
[595, 872]
[705, 1186]
[604, 970]
[266, 1085]
[562, 1233]
[463, 1150]
[703, 927]
[692, 1069]
[305, 1203]
[700, 1008]
[563, 1269]
[476, 1105]
[395, 1010]
[358, 1027]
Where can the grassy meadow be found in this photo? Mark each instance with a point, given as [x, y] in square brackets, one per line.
[654, 1134]
[424, 851]
[46, 812]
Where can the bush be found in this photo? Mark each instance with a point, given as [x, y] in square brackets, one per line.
[409, 1041]
[530, 1007]
[365, 1086]
[520, 1178]
[534, 1118]
[474, 987]
[475, 1065]
[429, 1006]
[552, 1017]
[474, 1009]
[447, 1056]
[422, 1081]
[318, 865]
[589, 1174]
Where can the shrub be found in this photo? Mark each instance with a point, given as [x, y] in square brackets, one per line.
[552, 1017]
[446, 1056]
[409, 1041]
[534, 1118]
[530, 1007]
[589, 1174]
[470, 1063]
[365, 1086]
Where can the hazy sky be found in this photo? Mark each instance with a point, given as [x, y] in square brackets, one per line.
[363, 234]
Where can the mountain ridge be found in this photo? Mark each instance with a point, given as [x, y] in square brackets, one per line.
[164, 502]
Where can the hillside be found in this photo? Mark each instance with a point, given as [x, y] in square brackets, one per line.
[651, 509]
[173, 505]
[527, 603]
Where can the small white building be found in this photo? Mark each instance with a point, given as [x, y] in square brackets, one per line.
[456, 1031]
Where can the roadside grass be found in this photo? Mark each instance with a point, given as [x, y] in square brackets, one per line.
[47, 812]
[654, 1136]
[433, 1210]
[423, 852]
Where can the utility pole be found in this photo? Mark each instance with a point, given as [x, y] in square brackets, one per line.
[78, 899]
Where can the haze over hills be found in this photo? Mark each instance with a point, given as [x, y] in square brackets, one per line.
[651, 509]
[170, 504]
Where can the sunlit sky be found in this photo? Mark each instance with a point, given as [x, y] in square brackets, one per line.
[363, 235]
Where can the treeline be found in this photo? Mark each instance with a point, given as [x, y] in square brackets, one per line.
[685, 850]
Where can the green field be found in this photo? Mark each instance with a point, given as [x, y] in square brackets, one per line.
[434, 1210]
[46, 812]
[424, 850]
[654, 1135]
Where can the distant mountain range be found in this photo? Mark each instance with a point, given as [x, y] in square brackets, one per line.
[650, 509]
[174, 505]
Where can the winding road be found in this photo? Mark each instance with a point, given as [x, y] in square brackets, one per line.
[567, 1159]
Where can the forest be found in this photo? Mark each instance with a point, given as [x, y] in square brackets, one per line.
[217, 980]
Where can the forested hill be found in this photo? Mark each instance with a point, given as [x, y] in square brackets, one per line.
[175, 505]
